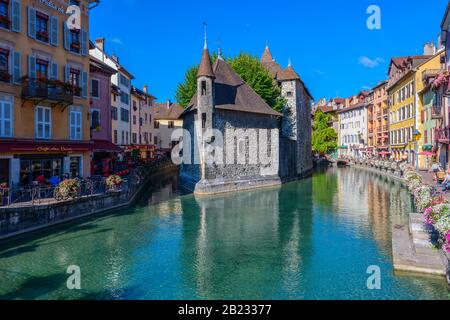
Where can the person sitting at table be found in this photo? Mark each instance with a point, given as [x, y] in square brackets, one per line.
[40, 179]
[446, 183]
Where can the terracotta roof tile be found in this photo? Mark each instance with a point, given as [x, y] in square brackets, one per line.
[163, 111]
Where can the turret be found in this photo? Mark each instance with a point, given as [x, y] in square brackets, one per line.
[205, 90]
[290, 90]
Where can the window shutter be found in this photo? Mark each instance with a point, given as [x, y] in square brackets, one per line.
[67, 73]
[16, 10]
[66, 37]
[32, 22]
[84, 84]
[32, 67]
[7, 119]
[16, 67]
[54, 71]
[54, 27]
[84, 42]
[36, 120]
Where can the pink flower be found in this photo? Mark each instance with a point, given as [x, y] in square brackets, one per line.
[427, 215]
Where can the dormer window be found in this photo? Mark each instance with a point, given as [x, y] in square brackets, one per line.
[203, 88]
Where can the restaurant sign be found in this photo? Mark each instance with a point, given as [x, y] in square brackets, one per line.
[45, 148]
[52, 5]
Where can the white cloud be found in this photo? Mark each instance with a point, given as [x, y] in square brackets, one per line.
[117, 41]
[370, 63]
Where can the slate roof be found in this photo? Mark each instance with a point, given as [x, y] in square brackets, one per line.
[232, 93]
[205, 65]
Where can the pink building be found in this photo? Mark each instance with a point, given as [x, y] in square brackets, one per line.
[100, 116]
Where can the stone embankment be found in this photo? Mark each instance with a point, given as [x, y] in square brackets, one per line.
[414, 244]
[18, 220]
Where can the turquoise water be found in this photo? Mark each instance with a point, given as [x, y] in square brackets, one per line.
[312, 239]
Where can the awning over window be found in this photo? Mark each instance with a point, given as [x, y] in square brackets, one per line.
[106, 146]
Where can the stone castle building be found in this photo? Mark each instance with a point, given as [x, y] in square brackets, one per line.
[233, 140]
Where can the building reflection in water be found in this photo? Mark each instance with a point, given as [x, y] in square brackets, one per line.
[254, 238]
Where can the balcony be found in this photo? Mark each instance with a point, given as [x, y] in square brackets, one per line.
[428, 74]
[442, 135]
[436, 112]
[53, 92]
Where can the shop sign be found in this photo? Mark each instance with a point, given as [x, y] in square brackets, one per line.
[52, 5]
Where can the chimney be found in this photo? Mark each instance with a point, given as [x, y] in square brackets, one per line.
[429, 49]
[168, 103]
[115, 58]
[146, 88]
[100, 43]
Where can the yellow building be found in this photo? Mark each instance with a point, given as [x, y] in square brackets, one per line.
[429, 117]
[44, 91]
[402, 107]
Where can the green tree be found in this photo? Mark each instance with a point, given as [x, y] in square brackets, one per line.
[249, 69]
[324, 139]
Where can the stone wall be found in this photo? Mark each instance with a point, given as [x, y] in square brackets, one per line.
[244, 143]
[304, 131]
[19, 220]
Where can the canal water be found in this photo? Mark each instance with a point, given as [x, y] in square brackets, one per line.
[312, 239]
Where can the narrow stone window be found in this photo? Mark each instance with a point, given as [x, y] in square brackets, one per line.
[203, 88]
[289, 93]
[203, 120]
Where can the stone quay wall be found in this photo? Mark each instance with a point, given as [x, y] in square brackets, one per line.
[15, 221]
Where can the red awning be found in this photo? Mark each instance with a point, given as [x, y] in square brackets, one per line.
[45, 147]
[106, 146]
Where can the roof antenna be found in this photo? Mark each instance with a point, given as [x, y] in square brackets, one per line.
[205, 26]
[219, 50]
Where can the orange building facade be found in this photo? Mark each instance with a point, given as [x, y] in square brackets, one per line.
[44, 91]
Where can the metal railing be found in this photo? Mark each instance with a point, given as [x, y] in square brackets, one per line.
[36, 89]
[94, 186]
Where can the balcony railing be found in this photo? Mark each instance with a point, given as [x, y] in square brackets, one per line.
[430, 73]
[442, 135]
[436, 112]
[53, 92]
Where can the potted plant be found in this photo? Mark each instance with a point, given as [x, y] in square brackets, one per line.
[114, 182]
[67, 189]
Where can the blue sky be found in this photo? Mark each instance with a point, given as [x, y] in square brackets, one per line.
[328, 41]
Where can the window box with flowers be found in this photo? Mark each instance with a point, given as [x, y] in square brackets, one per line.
[75, 46]
[42, 35]
[5, 76]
